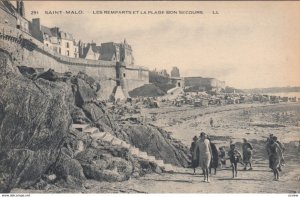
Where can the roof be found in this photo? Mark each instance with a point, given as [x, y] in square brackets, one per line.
[46, 30]
[107, 56]
[93, 47]
[108, 50]
[66, 36]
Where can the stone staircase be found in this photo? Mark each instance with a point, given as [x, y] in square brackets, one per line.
[105, 136]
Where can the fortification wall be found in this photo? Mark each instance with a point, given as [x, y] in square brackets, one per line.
[7, 18]
[199, 81]
[135, 77]
[43, 59]
[30, 52]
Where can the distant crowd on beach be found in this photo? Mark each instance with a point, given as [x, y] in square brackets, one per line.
[207, 156]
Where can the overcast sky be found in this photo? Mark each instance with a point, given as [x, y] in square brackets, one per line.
[248, 44]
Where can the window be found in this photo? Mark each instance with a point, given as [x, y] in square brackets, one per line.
[67, 45]
[59, 50]
[124, 75]
[68, 53]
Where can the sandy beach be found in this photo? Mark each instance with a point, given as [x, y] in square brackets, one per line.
[252, 121]
[232, 122]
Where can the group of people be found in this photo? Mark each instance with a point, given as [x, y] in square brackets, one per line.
[206, 155]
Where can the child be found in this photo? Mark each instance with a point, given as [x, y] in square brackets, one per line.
[247, 154]
[215, 156]
[195, 160]
[222, 157]
[234, 157]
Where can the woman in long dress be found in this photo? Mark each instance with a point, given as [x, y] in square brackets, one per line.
[205, 155]
[247, 154]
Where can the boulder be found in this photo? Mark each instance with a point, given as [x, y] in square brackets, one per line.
[33, 123]
[85, 93]
[27, 71]
[79, 116]
[38, 146]
[156, 142]
[106, 163]
[99, 116]
[49, 75]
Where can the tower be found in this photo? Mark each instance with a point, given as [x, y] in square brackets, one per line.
[126, 53]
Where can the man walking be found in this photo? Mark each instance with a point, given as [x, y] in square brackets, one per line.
[275, 156]
[211, 122]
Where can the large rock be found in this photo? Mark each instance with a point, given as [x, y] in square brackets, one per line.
[36, 140]
[99, 116]
[86, 88]
[156, 142]
[49, 75]
[79, 117]
[84, 93]
[106, 164]
[33, 123]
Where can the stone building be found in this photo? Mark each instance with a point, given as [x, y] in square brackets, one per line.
[110, 51]
[175, 72]
[68, 45]
[43, 48]
[120, 52]
[49, 36]
[198, 84]
[8, 14]
[163, 72]
[15, 17]
[159, 76]
[89, 51]
[59, 41]
[126, 53]
[22, 22]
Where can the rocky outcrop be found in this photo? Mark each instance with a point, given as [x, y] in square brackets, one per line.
[156, 142]
[106, 163]
[38, 147]
[98, 160]
[95, 111]
[86, 88]
[34, 121]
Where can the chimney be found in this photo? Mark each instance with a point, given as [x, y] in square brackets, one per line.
[36, 23]
[21, 8]
[55, 30]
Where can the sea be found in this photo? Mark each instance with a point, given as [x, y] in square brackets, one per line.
[285, 94]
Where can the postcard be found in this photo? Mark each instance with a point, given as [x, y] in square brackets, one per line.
[168, 97]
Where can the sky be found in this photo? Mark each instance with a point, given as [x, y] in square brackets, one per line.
[247, 45]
